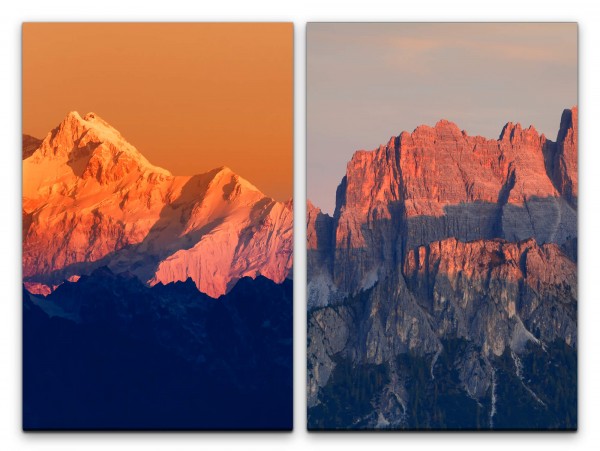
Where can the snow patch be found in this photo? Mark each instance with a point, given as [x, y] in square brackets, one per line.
[369, 279]
[521, 336]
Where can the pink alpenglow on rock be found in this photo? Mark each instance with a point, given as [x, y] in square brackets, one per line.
[91, 199]
[439, 182]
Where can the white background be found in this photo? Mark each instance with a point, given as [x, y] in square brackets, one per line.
[13, 12]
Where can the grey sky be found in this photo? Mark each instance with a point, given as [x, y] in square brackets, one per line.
[368, 82]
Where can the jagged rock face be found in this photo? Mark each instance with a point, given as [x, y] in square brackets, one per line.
[374, 327]
[514, 284]
[563, 161]
[320, 246]
[91, 199]
[490, 293]
[438, 182]
[441, 238]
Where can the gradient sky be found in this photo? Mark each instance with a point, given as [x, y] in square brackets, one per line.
[368, 82]
[190, 97]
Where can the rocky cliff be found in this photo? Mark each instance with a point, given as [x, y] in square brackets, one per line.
[438, 182]
[457, 253]
[92, 199]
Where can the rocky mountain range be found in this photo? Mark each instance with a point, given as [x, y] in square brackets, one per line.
[456, 254]
[91, 199]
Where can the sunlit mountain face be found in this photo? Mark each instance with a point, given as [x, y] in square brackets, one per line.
[442, 293]
[91, 199]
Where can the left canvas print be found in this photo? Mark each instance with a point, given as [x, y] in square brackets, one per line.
[157, 226]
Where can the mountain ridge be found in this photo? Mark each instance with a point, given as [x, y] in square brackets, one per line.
[445, 278]
[438, 182]
[511, 132]
[90, 199]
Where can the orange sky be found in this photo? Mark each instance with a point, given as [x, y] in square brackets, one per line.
[190, 97]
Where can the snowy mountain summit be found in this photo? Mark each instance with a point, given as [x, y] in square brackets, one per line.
[91, 199]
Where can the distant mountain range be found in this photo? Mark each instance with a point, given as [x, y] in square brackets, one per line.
[91, 199]
[456, 256]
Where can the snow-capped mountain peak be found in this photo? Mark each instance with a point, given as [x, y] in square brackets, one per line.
[90, 198]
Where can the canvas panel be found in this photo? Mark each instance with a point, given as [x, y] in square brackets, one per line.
[157, 226]
[442, 226]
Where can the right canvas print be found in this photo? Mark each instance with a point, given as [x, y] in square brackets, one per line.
[442, 226]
